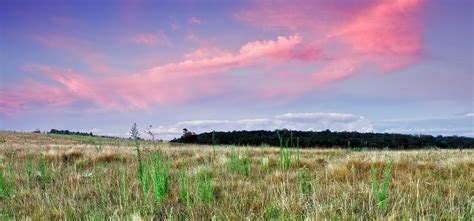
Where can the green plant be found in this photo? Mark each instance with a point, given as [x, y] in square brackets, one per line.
[29, 166]
[234, 161]
[298, 152]
[140, 168]
[246, 163]
[238, 165]
[382, 194]
[146, 178]
[43, 171]
[204, 188]
[4, 190]
[185, 188]
[160, 178]
[98, 148]
[305, 183]
[375, 181]
[285, 157]
[124, 189]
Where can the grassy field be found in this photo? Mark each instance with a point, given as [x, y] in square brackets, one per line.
[46, 177]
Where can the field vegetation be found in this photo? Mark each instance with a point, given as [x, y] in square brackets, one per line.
[57, 177]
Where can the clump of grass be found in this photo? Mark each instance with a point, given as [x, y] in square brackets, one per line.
[238, 165]
[185, 188]
[5, 189]
[246, 163]
[146, 183]
[160, 178]
[298, 152]
[285, 157]
[265, 164]
[124, 187]
[381, 194]
[29, 166]
[272, 212]
[204, 188]
[305, 183]
[234, 161]
[43, 171]
[140, 168]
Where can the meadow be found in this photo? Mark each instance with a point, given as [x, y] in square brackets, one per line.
[59, 177]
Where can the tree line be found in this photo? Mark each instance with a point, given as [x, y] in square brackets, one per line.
[327, 139]
[67, 132]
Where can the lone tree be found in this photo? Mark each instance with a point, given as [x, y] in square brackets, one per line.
[188, 136]
[150, 132]
[134, 134]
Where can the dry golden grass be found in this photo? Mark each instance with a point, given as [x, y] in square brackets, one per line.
[85, 182]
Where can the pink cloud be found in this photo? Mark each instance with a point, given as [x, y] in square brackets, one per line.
[195, 21]
[344, 41]
[201, 74]
[384, 34]
[149, 39]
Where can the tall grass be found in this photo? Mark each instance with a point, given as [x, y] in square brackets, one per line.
[124, 187]
[140, 168]
[29, 166]
[429, 190]
[234, 161]
[146, 183]
[185, 188]
[43, 171]
[160, 178]
[4, 190]
[285, 154]
[305, 182]
[382, 193]
[204, 188]
[298, 152]
[285, 157]
[246, 163]
[240, 164]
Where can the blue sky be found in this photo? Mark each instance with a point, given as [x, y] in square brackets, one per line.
[385, 66]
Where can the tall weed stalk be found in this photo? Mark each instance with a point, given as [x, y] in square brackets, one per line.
[43, 171]
[382, 193]
[160, 178]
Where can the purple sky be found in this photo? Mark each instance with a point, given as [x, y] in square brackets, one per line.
[385, 66]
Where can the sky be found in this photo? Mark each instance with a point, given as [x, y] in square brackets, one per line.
[396, 66]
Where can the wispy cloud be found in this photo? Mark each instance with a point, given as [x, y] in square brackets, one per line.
[384, 34]
[150, 39]
[349, 40]
[195, 21]
[201, 74]
[461, 125]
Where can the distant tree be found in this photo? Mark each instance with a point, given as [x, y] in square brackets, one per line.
[327, 139]
[134, 134]
[149, 131]
[67, 132]
[37, 131]
[188, 136]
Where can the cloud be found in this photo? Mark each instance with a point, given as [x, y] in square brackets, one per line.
[195, 21]
[357, 37]
[347, 39]
[461, 125]
[150, 39]
[469, 114]
[202, 73]
[293, 121]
